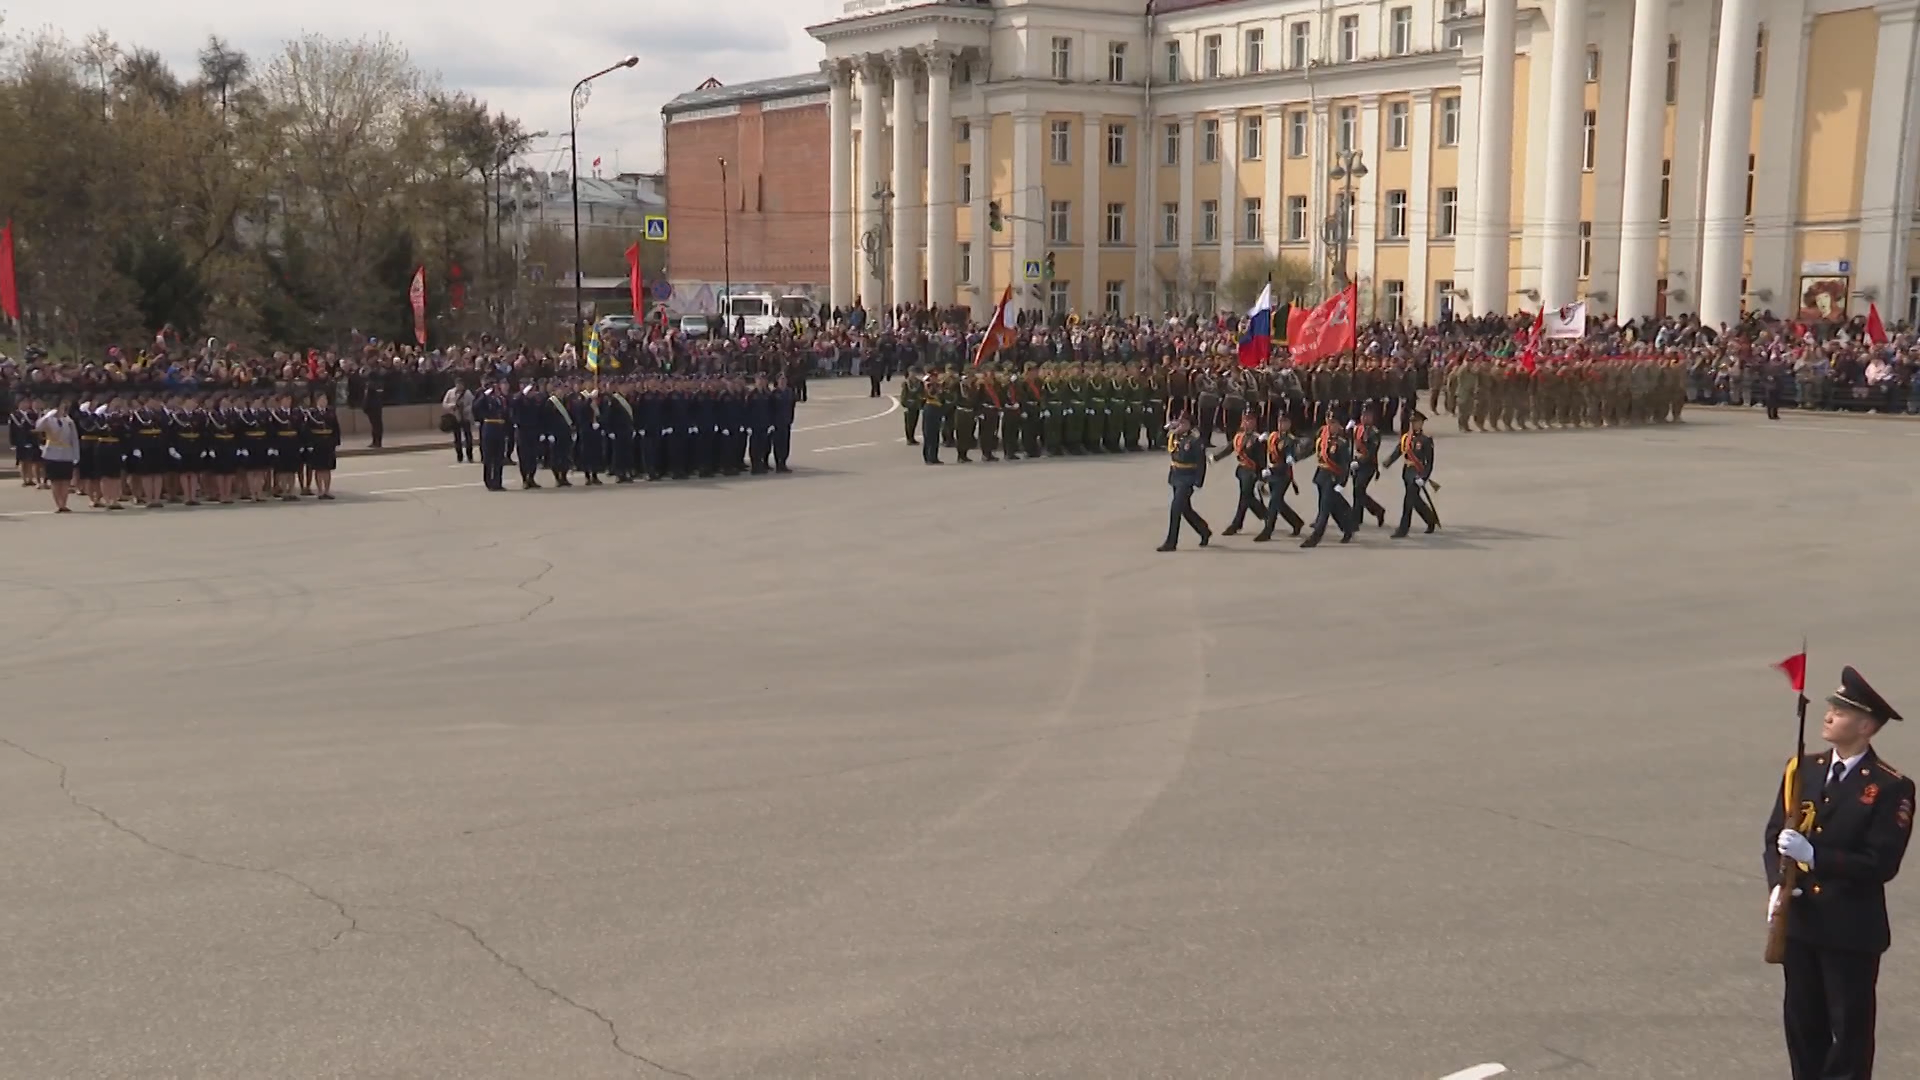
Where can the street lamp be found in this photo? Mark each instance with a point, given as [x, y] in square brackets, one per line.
[882, 234]
[726, 250]
[573, 140]
[1348, 168]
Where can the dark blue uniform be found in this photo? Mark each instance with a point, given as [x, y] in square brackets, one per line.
[588, 450]
[617, 419]
[528, 427]
[496, 432]
[783, 400]
[1417, 450]
[557, 424]
[759, 421]
[1186, 472]
[1335, 455]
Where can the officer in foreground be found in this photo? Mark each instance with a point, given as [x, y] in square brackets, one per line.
[1837, 912]
[1416, 449]
[1186, 472]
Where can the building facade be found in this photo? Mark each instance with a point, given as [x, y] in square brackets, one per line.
[759, 222]
[1647, 156]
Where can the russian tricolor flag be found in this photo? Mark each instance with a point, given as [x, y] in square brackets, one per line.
[1256, 337]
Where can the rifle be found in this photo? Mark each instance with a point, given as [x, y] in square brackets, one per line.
[1801, 822]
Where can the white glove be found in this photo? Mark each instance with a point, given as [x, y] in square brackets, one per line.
[136, 453]
[1266, 474]
[1773, 901]
[1421, 483]
[175, 454]
[1796, 847]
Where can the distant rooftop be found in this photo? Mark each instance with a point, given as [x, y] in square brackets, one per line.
[786, 86]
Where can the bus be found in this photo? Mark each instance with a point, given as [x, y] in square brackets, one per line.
[761, 312]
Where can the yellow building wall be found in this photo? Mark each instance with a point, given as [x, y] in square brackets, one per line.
[1522, 76]
[1390, 264]
[1840, 61]
[1000, 177]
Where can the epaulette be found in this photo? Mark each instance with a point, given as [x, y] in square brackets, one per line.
[1891, 771]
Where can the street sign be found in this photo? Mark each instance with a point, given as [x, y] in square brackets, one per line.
[663, 290]
[656, 228]
[1033, 269]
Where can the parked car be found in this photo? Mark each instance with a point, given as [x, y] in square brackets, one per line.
[694, 326]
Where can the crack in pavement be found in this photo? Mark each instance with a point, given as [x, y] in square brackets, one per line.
[545, 598]
[527, 977]
[339, 908]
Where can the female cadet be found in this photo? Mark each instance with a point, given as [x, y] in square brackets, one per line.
[283, 447]
[223, 458]
[321, 442]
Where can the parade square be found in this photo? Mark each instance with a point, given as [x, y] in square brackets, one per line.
[879, 770]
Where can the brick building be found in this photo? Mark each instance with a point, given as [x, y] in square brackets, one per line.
[773, 135]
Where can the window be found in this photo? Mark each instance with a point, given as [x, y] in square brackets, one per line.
[1593, 63]
[1760, 62]
[1117, 62]
[1116, 223]
[1170, 223]
[1396, 214]
[1348, 214]
[1296, 217]
[1750, 164]
[1443, 299]
[1116, 144]
[1204, 297]
[1171, 154]
[1589, 124]
[964, 132]
[1451, 11]
[1251, 138]
[1299, 44]
[1400, 31]
[1252, 219]
[1349, 127]
[1173, 61]
[1349, 37]
[1450, 120]
[1397, 125]
[1209, 141]
[1666, 188]
[1394, 300]
[966, 183]
[1210, 221]
[1116, 296]
[1062, 58]
[1297, 133]
[1446, 220]
[1586, 248]
[1256, 51]
[1169, 297]
[1059, 221]
[1210, 56]
[1060, 142]
[966, 262]
[1673, 70]
[1057, 299]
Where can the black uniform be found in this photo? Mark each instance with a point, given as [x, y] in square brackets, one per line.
[558, 425]
[759, 421]
[1417, 451]
[320, 439]
[1366, 466]
[1335, 456]
[528, 425]
[617, 417]
[1249, 451]
[223, 442]
[1837, 925]
[1186, 472]
[1281, 451]
[490, 412]
[783, 409]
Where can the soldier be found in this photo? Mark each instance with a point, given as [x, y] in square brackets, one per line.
[1416, 476]
[1053, 413]
[1366, 465]
[1207, 392]
[912, 393]
[490, 412]
[1250, 460]
[1335, 457]
[1012, 415]
[1117, 406]
[932, 417]
[1837, 927]
[1186, 472]
[1033, 410]
[990, 405]
[966, 410]
[1074, 397]
[529, 427]
[1466, 384]
[618, 420]
[1282, 449]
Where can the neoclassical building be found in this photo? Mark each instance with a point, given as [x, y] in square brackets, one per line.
[1644, 155]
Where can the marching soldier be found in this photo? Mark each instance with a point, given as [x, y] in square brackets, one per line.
[1282, 449]
[991, 406]
[912, 393]
[1250, 460]
[932, 418]
[1366, 466]
[1335, 457]
[1186, 472]
[1416, 449]
[1012, 413]
[966, 407]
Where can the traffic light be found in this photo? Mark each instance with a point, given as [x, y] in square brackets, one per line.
[1047, 270]
[994, 220]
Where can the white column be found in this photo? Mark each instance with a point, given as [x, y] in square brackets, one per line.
[1466, 236]
[1028, 206]
[1229, 193]
[941, 251]
[1886, 195]
[986, 292]
[908, 203]
[1723, 229]
[1273, 147]
[1366, 220]
[873, 173]
[1646, 132]
[1493, 167]
[1560, 232]
[1615, 38]
[1775, 269]
[1692, 26]
[1093, 213]
[1420, 208]
[1186, 272]
[1319, 206]
[841, 253]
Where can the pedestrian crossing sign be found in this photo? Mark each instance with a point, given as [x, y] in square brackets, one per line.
[656, 228]
[1033, 269]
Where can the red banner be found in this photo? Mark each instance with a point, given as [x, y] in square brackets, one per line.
[9, 293]
[635, 287]
[1328, 330]
[417, 295]
[456, 288]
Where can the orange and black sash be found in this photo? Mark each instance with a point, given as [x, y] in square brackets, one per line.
[1325, 447]
[1241, 449]
[1407, 447]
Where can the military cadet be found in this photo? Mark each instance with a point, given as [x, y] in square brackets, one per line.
[529, 426]
[256, 466]
[1207, 395]
[1186, 472]
[589, 444]
[284, 446]
[557, 427]
[966, 410]
[759, 421]
[26, 445]
[1334, 454]
[490, 412]
[912, 393]
[1282, 450]
[1366, 466]
[618, 418]
[1416, 449]
[932, 418]
[1011, 415]
[320, 444]
[990, 404]
[1053, 412]
[783, 399]
[1837, 927]
[1250, 461]
[1119, 407]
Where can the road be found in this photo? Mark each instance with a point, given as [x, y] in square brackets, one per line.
[885, 771]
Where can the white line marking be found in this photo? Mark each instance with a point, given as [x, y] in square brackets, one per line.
[892, 407]
[27, 513]
[849, 446]
[1478, 1072]
[372, 472]
[429, 487]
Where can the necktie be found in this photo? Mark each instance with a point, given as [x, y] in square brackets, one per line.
[1839, 773]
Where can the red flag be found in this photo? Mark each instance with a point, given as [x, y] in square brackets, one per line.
[9, 293]
[1530, 356]
[456, 287]
[417, 295]
[313, 365]
[633, 280]
[1328, 329]
[999, 331]
[1297, 324]
[1795, 667]
[1876, 330]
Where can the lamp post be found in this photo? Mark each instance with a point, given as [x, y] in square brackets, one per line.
[726, 250]
[1348, 168]
[883, 241]
[573, 148]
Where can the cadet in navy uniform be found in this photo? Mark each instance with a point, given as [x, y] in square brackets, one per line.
[491, 413]
[529, 420]
[653, 430]
[760, 424]
[1366, 466]
[588, 448]
[1281, 451]
[783, 403]
[1186, 471]
[1837, 916]
[558, 425]
[1250, 460]
[616, 417]
[1416, 448]
[1335, 456]
[680, 437]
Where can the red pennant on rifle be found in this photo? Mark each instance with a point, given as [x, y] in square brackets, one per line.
[1795, 668]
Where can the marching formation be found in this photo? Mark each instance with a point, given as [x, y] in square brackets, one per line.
[1488, 394]
[656, 426]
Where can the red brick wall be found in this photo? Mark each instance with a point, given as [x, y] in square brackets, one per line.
[777, 187]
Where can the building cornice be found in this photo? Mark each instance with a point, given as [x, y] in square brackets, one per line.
[921, 15]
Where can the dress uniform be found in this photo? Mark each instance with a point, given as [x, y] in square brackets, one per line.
[1416, 449]
[490, 410]
[1335, 456]
[1186, 472]
[1282, 450]
[1250, 460]
[1366, 466]
[1837, 915]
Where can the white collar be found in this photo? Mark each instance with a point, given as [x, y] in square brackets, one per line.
[1851, 763]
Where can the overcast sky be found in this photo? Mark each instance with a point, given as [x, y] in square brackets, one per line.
[520, 58]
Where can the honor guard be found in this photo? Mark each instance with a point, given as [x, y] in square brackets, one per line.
[1282, 450]
[1250, 460]
[1416, 449]
[1334, 454]
[1186, 472]
[1366, 466]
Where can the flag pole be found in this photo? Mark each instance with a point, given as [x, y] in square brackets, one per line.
[1797, 818]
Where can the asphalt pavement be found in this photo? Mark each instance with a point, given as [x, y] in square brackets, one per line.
[878, 770]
